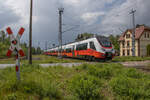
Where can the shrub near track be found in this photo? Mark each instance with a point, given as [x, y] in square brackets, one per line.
[105, 72]
[127, 88]
[131, 84]
[86, 87]
[125, 83]
[32, 85]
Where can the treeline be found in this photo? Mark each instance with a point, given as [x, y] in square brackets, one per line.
[35, 51]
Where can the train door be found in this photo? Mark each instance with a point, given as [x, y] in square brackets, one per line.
[92, 46]
[73, 51]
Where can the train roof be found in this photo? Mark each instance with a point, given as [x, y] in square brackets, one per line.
[78, 42]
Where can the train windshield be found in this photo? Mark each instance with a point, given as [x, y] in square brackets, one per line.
[104, 41]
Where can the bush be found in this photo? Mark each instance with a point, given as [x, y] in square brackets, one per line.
[129, 89]
[82, 67]
[31, 87]
[133, 73]
[127, 58]
[148, 50]
[104, 72]
[86, 87]
[12, 96]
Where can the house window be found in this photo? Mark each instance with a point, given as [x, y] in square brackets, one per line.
[145, 34]
[123, 53]
[128, 36]
[128, 43]
[128, 52]
[123, 44]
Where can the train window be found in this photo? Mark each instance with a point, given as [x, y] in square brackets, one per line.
[104, 41]
[68, 50]
[92, 46]
[82, 46]
[77, 47]
[73, 47]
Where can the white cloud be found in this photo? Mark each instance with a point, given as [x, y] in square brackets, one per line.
[72, 1]
[20, 8]
[91, 17]
[75, 3]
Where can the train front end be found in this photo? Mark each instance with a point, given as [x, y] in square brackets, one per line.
[106, 48]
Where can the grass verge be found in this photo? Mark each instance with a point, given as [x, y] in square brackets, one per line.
[40, 59]
[84, 82]
[129, 58]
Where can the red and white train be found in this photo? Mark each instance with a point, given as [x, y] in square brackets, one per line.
[98, 47]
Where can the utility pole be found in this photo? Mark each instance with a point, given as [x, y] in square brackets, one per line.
[45, 45]
[61, 10]
[133, 32]
[38, 43]
[30, 33]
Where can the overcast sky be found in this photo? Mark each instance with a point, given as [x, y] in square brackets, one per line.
[102, 17]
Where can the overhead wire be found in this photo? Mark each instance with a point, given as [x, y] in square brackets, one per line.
[121, 13]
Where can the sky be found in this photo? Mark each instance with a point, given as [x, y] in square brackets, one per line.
[102, 17]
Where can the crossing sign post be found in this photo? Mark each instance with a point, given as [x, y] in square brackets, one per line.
[15, 47]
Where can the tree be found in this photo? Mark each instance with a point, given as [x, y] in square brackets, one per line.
[84, 36]
[148, 50]
[114, 40]
[39, 51]
[3, 36]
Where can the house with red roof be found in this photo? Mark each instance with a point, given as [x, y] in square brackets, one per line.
[142, 40]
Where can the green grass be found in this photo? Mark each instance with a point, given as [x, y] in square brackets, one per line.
[129, 58]
[85, 82]
[39, 59]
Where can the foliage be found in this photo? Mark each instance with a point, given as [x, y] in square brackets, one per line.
[148, 50]
[129, 58]
[86, 87]
[114, 40]
[40, 59]
[103, 81]
[3, 48]
[84, 36]
[104, 72]
[36, 86]
[129, 89]
[133, 73]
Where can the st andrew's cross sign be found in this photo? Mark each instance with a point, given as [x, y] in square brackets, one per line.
[15, 47]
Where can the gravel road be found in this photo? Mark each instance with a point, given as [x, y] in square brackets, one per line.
[2, 66]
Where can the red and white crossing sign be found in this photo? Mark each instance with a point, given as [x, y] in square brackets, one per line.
[15, 46]
[15, 42]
